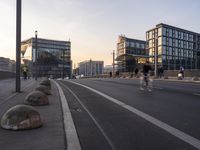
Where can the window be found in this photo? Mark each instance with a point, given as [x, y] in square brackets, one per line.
[176, 43]
[164, 40]
[176, 52]
[181, 44]
[164, 31]
[170, 51]
[160, 32]
[164, 50]
[170, 41]
[176, 34]
[159, 50]
[150, 34]
[159, 41]
[170, 32]
[181, 35]
[150, 43]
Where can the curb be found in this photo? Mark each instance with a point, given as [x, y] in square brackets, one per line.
[69, 127]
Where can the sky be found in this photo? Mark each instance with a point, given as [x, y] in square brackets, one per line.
[92, 26]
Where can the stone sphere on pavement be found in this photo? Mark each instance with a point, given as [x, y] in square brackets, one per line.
[21, 117]
[46, 82]
[44, 89]
[36, 98]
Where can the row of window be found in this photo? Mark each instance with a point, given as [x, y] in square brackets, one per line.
[172, 51]
[54, 46]
[136, 52]
[162, 31]
[175, 33]
[173, 60]
[134, 44]
[172, 42]
[175, 43]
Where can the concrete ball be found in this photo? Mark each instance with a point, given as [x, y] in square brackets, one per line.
[36, 98]
[21, 117]
[44, 89]
[46, 82]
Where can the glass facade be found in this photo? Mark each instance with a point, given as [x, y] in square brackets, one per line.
[133, 47]
[174, 47]
[53, 58]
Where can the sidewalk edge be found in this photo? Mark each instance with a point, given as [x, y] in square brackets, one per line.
[69, 127]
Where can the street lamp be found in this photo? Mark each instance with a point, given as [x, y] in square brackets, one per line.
[63, 66]
[113, 62]
[18, 45]
[36, 63]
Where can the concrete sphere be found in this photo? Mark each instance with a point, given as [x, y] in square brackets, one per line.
[44, 89]
[36, 98]
[21, 117]
[46, 82]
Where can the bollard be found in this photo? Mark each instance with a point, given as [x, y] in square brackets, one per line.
[21, 117]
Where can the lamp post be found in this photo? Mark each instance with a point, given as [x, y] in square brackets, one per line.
[63, 66]
[113, 62]
[18, 45]
[36, 62]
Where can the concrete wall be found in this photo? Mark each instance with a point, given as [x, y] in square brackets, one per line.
[187, 73]
[6, 75]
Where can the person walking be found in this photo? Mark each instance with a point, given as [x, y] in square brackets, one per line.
[136, 72]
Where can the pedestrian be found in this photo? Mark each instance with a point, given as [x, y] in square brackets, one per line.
[182, 71]
[25, 75]
[160, 72]
[136, 72]
[110, 74]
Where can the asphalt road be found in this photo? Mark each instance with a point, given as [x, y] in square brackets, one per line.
[114, 114]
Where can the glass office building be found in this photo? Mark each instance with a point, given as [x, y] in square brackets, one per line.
[172, 47]
[128, 51]
[91, 68]
[52, 57]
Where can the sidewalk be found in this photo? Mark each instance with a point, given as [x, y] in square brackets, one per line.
[51, 136]
[186, 79]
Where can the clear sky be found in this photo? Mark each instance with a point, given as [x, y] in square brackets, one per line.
[93, 25]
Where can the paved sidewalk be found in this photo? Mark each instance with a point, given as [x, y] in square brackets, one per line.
[50, 136]
[186, 79]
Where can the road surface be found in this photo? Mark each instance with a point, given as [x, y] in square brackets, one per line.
[113, 114]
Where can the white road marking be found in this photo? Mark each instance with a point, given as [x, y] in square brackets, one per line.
[158, 88]
[70, 130]
[197, 94]
[177, 133]
[92, 117]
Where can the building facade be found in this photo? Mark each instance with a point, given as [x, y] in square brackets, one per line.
[129, 52]
[172, 47]
[7, 65]
[47, 57]
[91, 68]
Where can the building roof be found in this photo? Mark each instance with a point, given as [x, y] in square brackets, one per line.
[170, 26]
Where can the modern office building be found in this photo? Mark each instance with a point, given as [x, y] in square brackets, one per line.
[129, 52]
[91, 68]
[46, 57]
[7, 65]
[173, 47]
